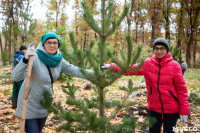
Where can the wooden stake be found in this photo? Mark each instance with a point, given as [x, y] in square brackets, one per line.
[25, 102]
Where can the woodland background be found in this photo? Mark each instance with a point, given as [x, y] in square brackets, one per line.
[176, 20]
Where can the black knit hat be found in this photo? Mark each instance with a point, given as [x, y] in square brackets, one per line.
[22, 47]
[161, 41]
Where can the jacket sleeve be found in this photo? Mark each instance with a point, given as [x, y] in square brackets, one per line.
[72, 70]
[20, 57]
[19, 71]
[181, 91]
[131, 71]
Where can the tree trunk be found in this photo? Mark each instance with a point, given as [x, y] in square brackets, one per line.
[188, 55]
[136, 34]
[9, 42]
[101, 102]
[194, 53]
[180, 25]
[95, 36]
[167, 23]
[193, 22]
[1, 45]
[57, 15]
[152, 35]
[155, 17]
[130, 16]
[143, 34]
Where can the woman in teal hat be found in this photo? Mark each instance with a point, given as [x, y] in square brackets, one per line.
[47, 65]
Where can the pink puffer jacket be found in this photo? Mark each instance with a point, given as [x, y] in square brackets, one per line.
[166, 89]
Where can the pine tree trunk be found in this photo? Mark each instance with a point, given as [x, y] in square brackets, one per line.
[101, 101]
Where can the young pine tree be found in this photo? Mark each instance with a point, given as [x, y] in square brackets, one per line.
[85, 118]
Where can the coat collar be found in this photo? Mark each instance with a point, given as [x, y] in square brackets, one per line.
[168, 57]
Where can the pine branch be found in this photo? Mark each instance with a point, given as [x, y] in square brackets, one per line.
[129, 48]
[122, 104]
[73, 42]
[136, 56]
[122, 55]
[116, 23]
[108, 18]
[89, 18]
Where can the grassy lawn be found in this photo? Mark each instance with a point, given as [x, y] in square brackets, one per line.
[192, 74]
[192, 77]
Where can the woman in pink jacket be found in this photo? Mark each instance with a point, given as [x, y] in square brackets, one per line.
[166, 90]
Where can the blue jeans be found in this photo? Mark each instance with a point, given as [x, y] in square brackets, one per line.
[35, 125]
[168, 121]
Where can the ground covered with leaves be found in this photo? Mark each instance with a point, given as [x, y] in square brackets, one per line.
[10, 123]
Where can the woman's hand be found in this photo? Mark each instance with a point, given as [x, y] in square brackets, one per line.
[183, 118]
[30, 51]
[106, 66]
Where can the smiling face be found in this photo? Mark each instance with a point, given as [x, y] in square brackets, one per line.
[160, 51]
[51, 46]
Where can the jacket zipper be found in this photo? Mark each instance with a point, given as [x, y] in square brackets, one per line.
[149, 94]
[159, 89]
[173, 95]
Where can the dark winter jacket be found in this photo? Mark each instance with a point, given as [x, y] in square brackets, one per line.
[166, 89]
[17, 57]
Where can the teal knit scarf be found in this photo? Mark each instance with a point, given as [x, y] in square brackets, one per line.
[49, 60]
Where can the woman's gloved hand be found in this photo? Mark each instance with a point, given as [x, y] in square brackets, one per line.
[106, 66]
[30, 51]
[183, 118]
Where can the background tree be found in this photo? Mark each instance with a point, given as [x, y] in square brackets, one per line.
[56, 15]
[82, 31]
[192, 8]
[166, 15]
[18, 24]
[154, 12]
[179, 20]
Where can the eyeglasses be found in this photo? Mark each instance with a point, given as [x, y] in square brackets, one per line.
[161, 49]
[50, 43]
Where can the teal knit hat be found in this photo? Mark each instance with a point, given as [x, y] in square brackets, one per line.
[49, 35]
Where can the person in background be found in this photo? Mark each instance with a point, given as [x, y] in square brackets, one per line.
[16, 85]
[183, 67]
[166, 89]
[47, 65]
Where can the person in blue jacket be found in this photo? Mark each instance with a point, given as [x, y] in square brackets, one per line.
[19, 54]
[16, 85]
